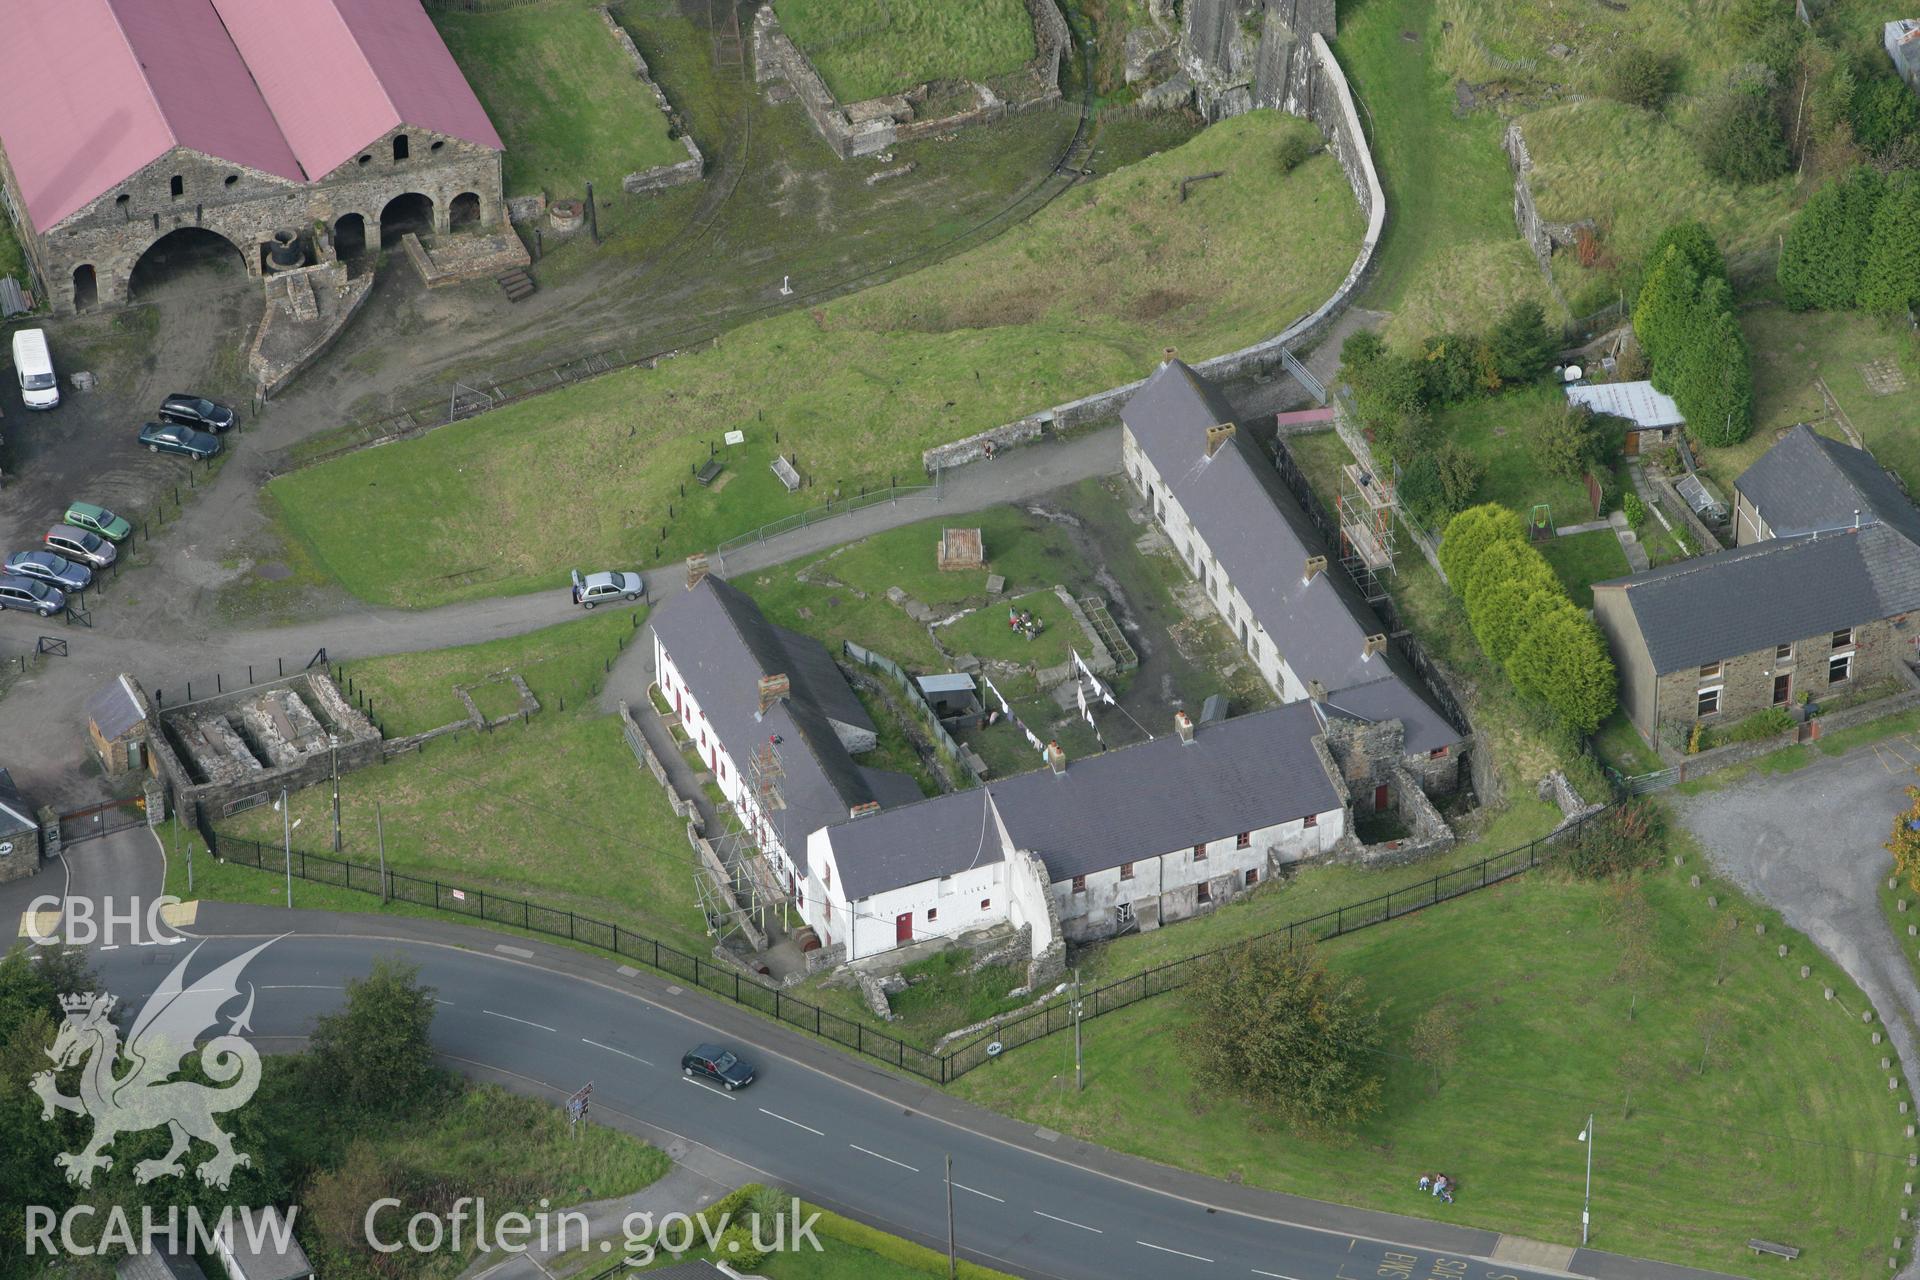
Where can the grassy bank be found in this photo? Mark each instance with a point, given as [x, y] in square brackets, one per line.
[1082, 297]
[1720, 1069]
[562, 94]
[865, 48]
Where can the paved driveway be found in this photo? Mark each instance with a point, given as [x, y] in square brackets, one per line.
[1809, 844]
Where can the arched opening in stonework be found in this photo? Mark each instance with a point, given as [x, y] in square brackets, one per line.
[350, 235]
[86, 287]
[187, 256]
[410, 212]
[464, 211]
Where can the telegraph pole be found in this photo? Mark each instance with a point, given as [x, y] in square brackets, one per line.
[953, 1265]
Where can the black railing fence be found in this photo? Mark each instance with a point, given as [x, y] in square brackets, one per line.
[744, 989]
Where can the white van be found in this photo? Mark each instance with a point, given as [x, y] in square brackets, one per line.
[34, 363]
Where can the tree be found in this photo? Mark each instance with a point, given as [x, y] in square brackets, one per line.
[1563, 661]
[1563, 440]
[1904, 843]
[1521, 343]
[1271, 1024]
[1736, 132]
[1450, 368]
[374, 1055]
[1508, 560]
[1825, 248]
[1890, 277]
[1470, 533]
[1435, 1042]
[1696, 244]
[1665, 308]
[1884, 112]
[1714, 382]
[1637, 76]
[1504, 609]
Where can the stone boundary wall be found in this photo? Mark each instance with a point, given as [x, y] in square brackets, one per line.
[722, 881]
[1431, 834]
[683, 808]
[1699, 531]
[660, 177]
[1330, 105]
[1542, 237]
[349, 294]
[1717, 758]
[865, 128]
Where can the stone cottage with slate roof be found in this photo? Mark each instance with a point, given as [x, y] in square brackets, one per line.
[1816, 599]
[1263, 565]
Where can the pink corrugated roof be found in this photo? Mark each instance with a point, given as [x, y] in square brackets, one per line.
[92, 90]
[340, 73]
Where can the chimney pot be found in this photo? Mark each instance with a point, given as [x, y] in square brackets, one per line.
[1218, 435]
[772, 689]
[696, 569]
[862, 810]
[1183, 725]
[1375, 644]
[1316, 691]
[1316, 565]
[1056, 759]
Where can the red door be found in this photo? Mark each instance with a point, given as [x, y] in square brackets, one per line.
[1380, 798]
[903, 927]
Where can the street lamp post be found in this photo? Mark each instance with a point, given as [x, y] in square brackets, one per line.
[1586, 1206]
[286, 835]
[333, 748]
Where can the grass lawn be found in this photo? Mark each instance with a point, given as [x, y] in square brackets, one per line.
[1752, 1086]
[985, 634]
[556, 811]
[1451, 258]
[855, 388]
[1620, 745]
[562, 94]
[413, 692]
[865, 48]
[1582, 559]
[1495, 430]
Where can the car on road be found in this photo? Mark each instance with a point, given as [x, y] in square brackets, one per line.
[598, 588]
[718, 1064]
[51, 568]
[177, 437]
[96, 519]
[17, 592]
[197, 411]
[83, 545]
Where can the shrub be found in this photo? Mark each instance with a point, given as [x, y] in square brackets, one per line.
[1737, 132]
[1634, 510]
[1563, 441]
[1890, 275]
[1521, 343]
[736, 1248]
[1825, 248]
[1470, 533]
[1638, 77]
[1450, 368]
[1294, 150]
[1770, 723]
[1563, 661]
[1883, 113]
[1631, 837]
[1503, 610]
[1696, 244]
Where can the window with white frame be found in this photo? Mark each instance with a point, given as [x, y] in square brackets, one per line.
[1709, 703]
[1840, 668]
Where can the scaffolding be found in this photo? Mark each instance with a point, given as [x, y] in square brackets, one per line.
[1368, 538]
[750, 890]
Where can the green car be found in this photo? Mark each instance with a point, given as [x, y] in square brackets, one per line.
[99, 520]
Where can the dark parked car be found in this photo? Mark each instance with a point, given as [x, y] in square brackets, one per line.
[84, 545]
[197, 411]
[175, 437]
[719, 1064]
[50, 568]
[24, 593]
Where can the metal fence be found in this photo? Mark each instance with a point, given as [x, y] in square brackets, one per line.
[1351, 918]
[929, 718]
[476, 904]
[742, 989]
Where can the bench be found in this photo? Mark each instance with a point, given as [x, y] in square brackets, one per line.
[1786, 1251]
[788, 476]
[707, 474]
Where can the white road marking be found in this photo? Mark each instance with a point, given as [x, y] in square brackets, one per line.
[795, 1123]
[1070, 1222]
[1178, 1253]
[299, 986]
[522, 1021]
[506, 950]
[110, 946]
[610, 1049]
[717, 1093]
[1274, 1274]
[449, 1004]
[877, 1156]
[961, 1186]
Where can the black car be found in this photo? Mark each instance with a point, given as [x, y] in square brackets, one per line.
[174, 437]
[719, 1064]
[197, 411]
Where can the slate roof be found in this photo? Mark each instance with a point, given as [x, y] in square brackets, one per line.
[16, 815]
[722, 645]
[1773, 592]
[266, 1262]
[115, 708]
[1257, 531]
[1124, 805]
[152, 1264]
[1808, 482]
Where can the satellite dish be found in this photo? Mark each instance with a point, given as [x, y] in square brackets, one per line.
[993, 1050]
[6, 847]
[1573, 373]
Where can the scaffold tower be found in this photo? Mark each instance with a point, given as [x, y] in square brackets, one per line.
[1368, 539]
